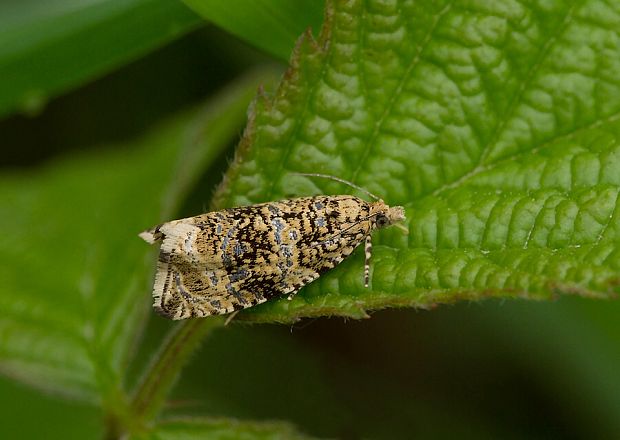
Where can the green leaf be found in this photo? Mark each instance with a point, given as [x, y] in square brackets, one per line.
[221, 429]
[76, 277]
[56, 419]
[496, 125]
[271, 25]
[50, 46]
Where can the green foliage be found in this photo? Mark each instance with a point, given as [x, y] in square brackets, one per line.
[485, 123]
[494, 124]
[48, 47]
[271, 25]
[197, 428]
[70, 324]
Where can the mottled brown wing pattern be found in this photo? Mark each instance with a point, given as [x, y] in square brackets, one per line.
[224, 261]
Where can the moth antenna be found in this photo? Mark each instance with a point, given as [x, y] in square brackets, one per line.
[338, 179]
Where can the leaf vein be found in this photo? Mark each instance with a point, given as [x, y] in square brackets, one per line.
[396, 93]
[612, 216]
[614, 117]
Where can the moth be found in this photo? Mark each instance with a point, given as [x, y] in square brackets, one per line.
[224, 261]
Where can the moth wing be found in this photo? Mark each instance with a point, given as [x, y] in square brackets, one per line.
[196, 278]
[229, 260]
[189, 280]
[332, 258]
[292, 281]
[181, 291]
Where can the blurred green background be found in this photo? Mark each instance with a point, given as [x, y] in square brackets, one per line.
[493, 369]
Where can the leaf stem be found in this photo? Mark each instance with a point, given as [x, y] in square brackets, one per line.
[162, 372]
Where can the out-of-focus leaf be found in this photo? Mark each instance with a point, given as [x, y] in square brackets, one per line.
[496, 126]
[75, 292]
[571, 346]
[293, 394]
[50, 46]
[271, 25]
[221, 429]
[56, 419]
[498, 369]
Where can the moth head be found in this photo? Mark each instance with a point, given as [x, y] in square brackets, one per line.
[385, 216]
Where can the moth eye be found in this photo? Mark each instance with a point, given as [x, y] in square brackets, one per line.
[382, 220]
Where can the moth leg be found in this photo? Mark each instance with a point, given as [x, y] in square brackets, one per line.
[367, 255]
[231, 317]
[292, 294]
